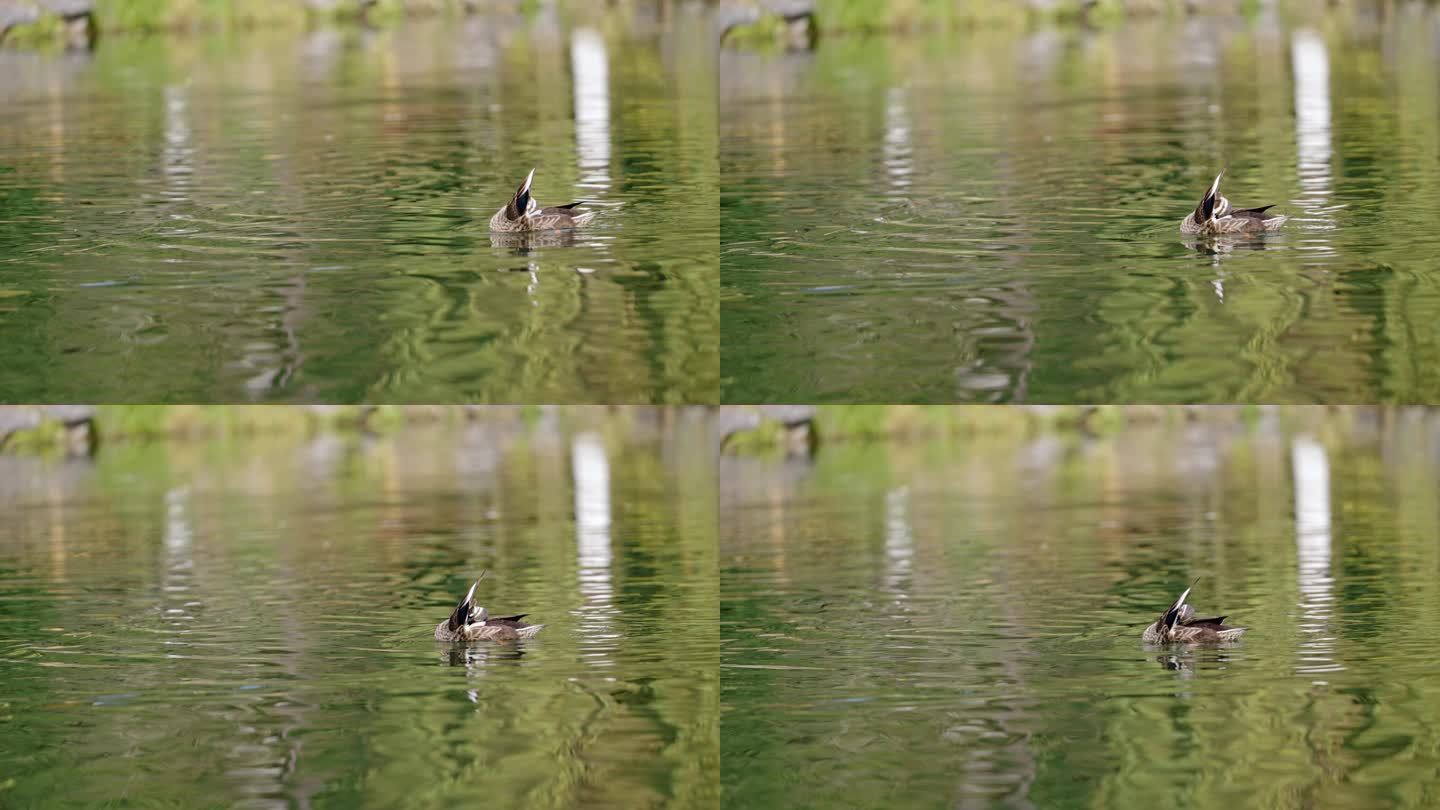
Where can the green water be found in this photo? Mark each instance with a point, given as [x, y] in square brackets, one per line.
[249, 624]
[304, 216]
[913, 625]
[993, 217]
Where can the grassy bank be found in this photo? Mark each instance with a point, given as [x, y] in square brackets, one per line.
[870, 16]
[869, 422]
[834, 16]
[942, 423]
[156, 16]
[143, 423]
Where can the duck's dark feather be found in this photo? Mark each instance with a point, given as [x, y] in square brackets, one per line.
[1218, 620]
[508, 621]
[518, 204]
[460, 616]
[1255, 213]
[562, 209]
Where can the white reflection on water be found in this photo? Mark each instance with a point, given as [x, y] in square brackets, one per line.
[899, 543]
[590, 68]
[1311, 470]
[1310, 63]
[179, 150]
[897, 149]
[591, 470]
[175, 579]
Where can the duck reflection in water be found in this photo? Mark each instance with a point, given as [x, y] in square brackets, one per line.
[478, 657]
[1219, 248]
[1189, 660]
[1226, 244]
[522, 242]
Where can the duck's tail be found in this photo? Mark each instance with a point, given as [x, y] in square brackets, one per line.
[461, 616]
[1206, 210]
[520, 203]
[1177, 610]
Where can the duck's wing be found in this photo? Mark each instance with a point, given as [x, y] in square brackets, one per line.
[1217, 621]
[493, 632]
[1256, 214]
[1215, 632]
[558, 218]
[1255, 211]
[510, 621]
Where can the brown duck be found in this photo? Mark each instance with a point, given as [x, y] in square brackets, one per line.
[470, 622]
[522, 213]
[1214, 216]
[1178, 624]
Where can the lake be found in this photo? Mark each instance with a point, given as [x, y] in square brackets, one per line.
[303, 216]
[249, 623]
[994, 216]
[957, 624]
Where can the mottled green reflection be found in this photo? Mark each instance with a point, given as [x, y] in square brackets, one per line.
[303, 216]
[195, 624]
[993, 216]
[958, 625]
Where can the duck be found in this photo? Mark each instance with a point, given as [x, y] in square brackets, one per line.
[1178, 624]
[1214, 215]
[522, 213]
[470, 622]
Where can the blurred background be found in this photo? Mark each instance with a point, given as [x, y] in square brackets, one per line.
[942, 201]
[942, 607]
[235, 606]
[280, 200]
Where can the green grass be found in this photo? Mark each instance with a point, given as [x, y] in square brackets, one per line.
[768, 32]
[164, 15]
[944, 423]
[866, 15]
[152, 16]
[875, 16]
[46, 438]
[142, 423]
[47, 31]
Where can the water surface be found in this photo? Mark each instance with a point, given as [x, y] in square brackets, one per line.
[249, 625]
[994, 216]
[959, 626]
[303, 216]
